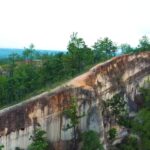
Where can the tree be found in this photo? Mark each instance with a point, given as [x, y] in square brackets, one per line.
[126, 49]
[75, 42]
[116, 106]
[78, 56]
[104, 49]
[29, 53]
[3, 90]
[11, 80]
[39, 140]
[72, 114]
[52, 66]
[12, 63]
[144, 44]
[91, 141]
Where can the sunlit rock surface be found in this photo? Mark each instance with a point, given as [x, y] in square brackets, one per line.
[121, 74]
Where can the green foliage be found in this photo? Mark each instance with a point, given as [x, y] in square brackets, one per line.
[112, 133]
[146, 94]
[78, 56]
[144, 44]
[23, 75]
[91, 141]
[104, 49]
[52, 69]
[39, 140]
[18, 148]
[29, 53]
[72, 114]
[116, 105]
[125, 121]
[127, 49]
[141, 123]
[1, 147]
[128, 143]
[3, 88]
[141, 126]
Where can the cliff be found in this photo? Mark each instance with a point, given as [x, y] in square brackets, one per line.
[123, 74]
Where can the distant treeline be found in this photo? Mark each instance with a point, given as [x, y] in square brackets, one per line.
[5, 52]
[21, 76]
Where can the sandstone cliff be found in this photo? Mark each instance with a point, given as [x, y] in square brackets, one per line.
[123, 74]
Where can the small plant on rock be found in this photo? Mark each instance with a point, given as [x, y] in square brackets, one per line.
[39, 140]
[91, 141]
[112, 133]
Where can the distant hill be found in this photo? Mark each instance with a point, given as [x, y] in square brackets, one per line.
[5, 52]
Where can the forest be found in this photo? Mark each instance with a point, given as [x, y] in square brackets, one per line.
[22, 76]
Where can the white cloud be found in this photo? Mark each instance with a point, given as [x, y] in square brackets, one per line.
[49, 23]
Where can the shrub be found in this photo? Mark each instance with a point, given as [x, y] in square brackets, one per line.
[128, 143]
[112, 133]
[91, 141]
[39, 140]
[1, 147]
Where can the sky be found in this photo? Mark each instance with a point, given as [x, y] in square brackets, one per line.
[48, 24]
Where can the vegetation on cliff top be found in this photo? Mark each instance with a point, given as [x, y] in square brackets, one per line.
[26, 75]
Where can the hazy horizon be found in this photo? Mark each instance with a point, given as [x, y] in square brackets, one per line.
[15, 48]
[6, 52]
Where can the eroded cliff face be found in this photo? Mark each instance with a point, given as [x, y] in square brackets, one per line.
[123, 74]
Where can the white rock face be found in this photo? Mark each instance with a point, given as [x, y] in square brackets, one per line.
[123, 74]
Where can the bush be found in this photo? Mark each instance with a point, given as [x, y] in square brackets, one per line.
[125, 121]
[128, 143]
[1, 147]
[91, 141]
[39, 140]
[112, 133]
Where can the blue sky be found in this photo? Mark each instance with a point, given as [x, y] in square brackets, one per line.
[48, 23]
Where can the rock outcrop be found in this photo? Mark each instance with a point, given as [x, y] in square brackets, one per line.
[123, 74]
